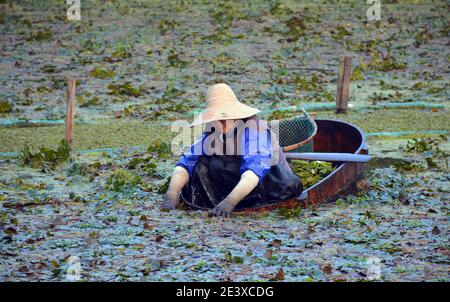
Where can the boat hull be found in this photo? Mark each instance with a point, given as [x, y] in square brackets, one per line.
[332, 136]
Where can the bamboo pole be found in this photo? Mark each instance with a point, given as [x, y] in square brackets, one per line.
[343, 88]
[70, 109]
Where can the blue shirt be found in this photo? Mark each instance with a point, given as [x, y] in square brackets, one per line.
[256, 151]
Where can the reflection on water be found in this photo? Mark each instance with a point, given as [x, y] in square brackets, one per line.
[381, 162]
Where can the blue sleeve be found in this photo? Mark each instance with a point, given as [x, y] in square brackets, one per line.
[257, 153]
[189, 159]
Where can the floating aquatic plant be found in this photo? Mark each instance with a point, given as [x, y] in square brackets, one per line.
[300, 25]
[124, 89]
[419, 86]
[162, 149]
[302, 84]
[358, 72]
[311, 172]
[5, 106]
[40, 35]
[423, 37]
[289, 213]
[165, 26]
[121, 180]
[222, 35]
[45, 157]
[387, 86]
[170, 93]
[48, 69]
[340, 32]
[174, 59]
[121, 53]
[101, 73]
[385, 63]
[278, 9]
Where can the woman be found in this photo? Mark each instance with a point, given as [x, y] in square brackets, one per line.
[237, 163]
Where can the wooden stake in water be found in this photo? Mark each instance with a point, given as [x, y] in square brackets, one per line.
[343, 89]
[70, 110]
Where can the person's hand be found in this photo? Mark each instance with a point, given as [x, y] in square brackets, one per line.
[223, 209]
[172, 200]
[180, 177]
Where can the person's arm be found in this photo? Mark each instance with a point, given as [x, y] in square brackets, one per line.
[180, 177]
[256, 163]
[249, 180]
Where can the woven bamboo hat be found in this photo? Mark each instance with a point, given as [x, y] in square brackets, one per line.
[222, 104]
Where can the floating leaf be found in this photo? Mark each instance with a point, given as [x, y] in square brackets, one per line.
[279, 276]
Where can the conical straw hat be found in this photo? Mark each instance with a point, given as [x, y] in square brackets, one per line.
[222, 104]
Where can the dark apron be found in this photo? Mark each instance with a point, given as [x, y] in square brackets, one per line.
[214, 177]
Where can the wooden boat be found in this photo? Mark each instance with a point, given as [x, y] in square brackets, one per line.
[332, 136]
[329, 136]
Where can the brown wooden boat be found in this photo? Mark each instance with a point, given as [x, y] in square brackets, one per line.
[335, 137]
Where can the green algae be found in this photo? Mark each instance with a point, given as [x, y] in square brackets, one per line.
[128, 132]
[95, 136]
[388, 120]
